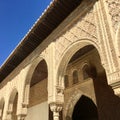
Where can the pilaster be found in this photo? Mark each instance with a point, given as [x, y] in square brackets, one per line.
[51, 73]
[22, 113]
[107, 38]
[107, 14]
[55, 91]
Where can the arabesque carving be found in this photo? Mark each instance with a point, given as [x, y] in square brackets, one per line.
[84, 28]
[114, 11]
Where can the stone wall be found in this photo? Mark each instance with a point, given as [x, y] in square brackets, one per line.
[38, 93]
[38, 112]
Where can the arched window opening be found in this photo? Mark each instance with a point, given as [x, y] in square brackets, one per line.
[66, 81]
[2, 102]
[75, 77]
[12, 107]
[86, 71]
[14, 116]
[89, 71]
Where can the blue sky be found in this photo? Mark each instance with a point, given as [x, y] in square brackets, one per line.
[16, 18]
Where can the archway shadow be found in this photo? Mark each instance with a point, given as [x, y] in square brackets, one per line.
[85, 109]
[108, 103]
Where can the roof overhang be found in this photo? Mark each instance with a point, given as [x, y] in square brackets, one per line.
[56, 12]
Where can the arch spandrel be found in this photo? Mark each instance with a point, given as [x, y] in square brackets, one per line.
[82, 27]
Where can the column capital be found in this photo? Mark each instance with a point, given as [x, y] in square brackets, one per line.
[21, 117]
[56, 108]
[22, 113]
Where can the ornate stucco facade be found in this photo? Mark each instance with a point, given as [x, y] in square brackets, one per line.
[42, 85]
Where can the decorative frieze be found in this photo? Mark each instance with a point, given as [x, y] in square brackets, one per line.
[116, 88]
[113, 77]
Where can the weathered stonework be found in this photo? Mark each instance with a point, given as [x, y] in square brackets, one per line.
[88, 25]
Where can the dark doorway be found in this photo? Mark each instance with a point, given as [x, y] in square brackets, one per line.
[85, 109]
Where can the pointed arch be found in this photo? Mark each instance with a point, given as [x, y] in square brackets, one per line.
[72, 102]
[85, 109]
